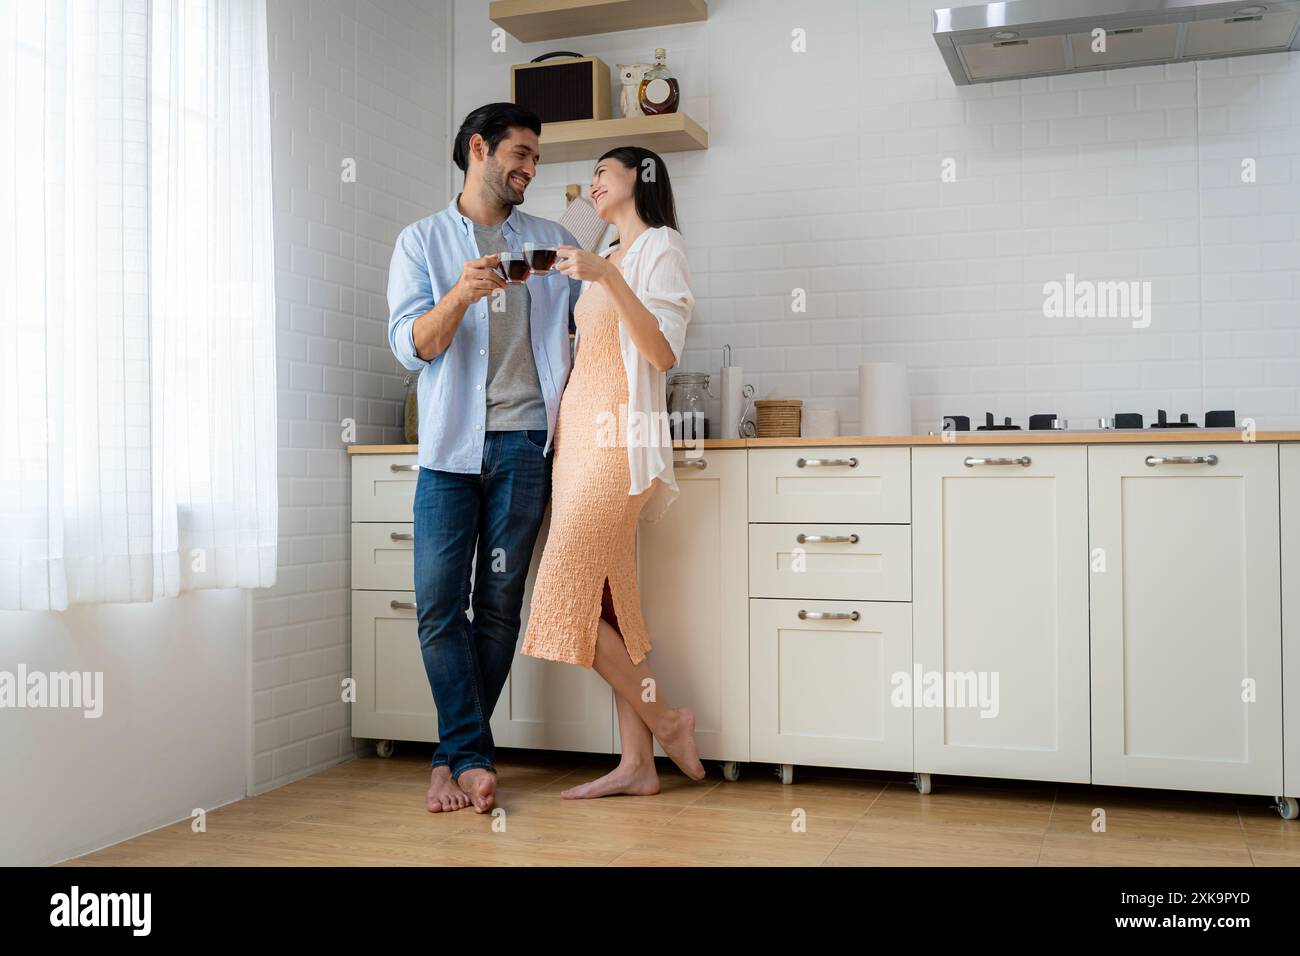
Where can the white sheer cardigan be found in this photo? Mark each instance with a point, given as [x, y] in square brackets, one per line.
[655, 269]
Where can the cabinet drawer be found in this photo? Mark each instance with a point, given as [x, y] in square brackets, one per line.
[821, 689]
[791, 561]
[383, 487]
[831, 484]
[383, 556]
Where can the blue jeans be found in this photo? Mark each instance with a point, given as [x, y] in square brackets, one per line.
[490, 521]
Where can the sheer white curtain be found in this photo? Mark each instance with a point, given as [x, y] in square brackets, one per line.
[137, 366]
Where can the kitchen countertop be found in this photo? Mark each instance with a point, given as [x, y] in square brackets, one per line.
[1143, 436]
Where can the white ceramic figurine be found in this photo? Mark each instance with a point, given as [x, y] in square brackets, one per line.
[630, 75]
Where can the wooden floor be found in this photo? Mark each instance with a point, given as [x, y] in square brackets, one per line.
[371, 812]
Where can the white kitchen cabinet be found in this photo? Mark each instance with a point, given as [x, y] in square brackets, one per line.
[392, 693]
[691, 566]
[543, 705]
[821, 680]
[548, 705]
[1186, 617]
[1000, 610]
[1290, 499]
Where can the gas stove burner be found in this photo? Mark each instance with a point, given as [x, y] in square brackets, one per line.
[1219, 418]
[1162, 421]
[1224, 418]
[989, 426]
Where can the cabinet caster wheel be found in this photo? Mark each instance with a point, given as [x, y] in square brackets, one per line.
[731, 771]
[1288, 808]
[786, 772]
[384, 748]
[922, 783]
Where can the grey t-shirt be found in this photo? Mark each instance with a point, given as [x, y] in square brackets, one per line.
[514, 395]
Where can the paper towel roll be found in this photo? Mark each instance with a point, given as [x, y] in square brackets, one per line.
[733, 400]
[884, 405]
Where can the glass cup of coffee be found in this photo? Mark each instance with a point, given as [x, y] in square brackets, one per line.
[541, 257]
[513, 266]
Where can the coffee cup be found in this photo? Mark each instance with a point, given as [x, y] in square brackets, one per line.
[540, 256]
[512, 266]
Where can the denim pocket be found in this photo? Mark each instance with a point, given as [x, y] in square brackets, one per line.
[536, 437]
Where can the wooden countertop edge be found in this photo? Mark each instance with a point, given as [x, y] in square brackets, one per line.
[1139, 437]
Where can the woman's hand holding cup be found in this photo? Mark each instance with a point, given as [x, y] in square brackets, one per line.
[580, 264]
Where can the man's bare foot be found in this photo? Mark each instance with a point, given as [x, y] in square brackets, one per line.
[635, 779]
[480, 786]
[444, 796]
[676, 734]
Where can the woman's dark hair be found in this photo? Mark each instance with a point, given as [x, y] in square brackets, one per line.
[493, 122]
[653, 193]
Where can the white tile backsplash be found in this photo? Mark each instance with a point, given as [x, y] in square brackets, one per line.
[823, 173]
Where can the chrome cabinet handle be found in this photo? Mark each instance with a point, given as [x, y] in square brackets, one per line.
[401, 536]
[828, 615]
[402, 605]
[699, 463]
[1153, 460]
[826, 462]
[397, 468]
[827, 538]
[1023, 460]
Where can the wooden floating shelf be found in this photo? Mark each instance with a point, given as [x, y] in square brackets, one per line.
[530, 21]
[588, 139]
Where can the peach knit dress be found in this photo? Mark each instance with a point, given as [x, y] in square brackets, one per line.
[593, 518]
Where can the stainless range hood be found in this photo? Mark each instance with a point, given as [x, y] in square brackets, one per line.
[1024, 38]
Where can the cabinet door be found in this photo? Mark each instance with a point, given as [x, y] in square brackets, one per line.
[393, 699]
[1000, 613]
[1186, 617]
[820, 691]
[694, 594]
[1290, 498]
[546, 705]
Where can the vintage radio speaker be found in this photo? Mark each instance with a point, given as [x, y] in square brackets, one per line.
[573, 88]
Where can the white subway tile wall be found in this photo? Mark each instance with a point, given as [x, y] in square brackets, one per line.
[824, 173]
[361, 81]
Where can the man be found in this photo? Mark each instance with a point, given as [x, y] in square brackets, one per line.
[493, 359]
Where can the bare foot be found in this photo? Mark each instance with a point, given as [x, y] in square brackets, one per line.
[635, 779]
[480, 786]
[676, 734]
[444, 796]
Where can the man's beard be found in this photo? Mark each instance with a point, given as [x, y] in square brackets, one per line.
[498, 182]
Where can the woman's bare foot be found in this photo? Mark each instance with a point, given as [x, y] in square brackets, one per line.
[444, 796]
[676, 734]
[480, 785]
[635, 779]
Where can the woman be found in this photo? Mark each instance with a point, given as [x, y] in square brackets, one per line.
[613, 460]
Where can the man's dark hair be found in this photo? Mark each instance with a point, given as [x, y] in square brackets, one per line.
[493, 122]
